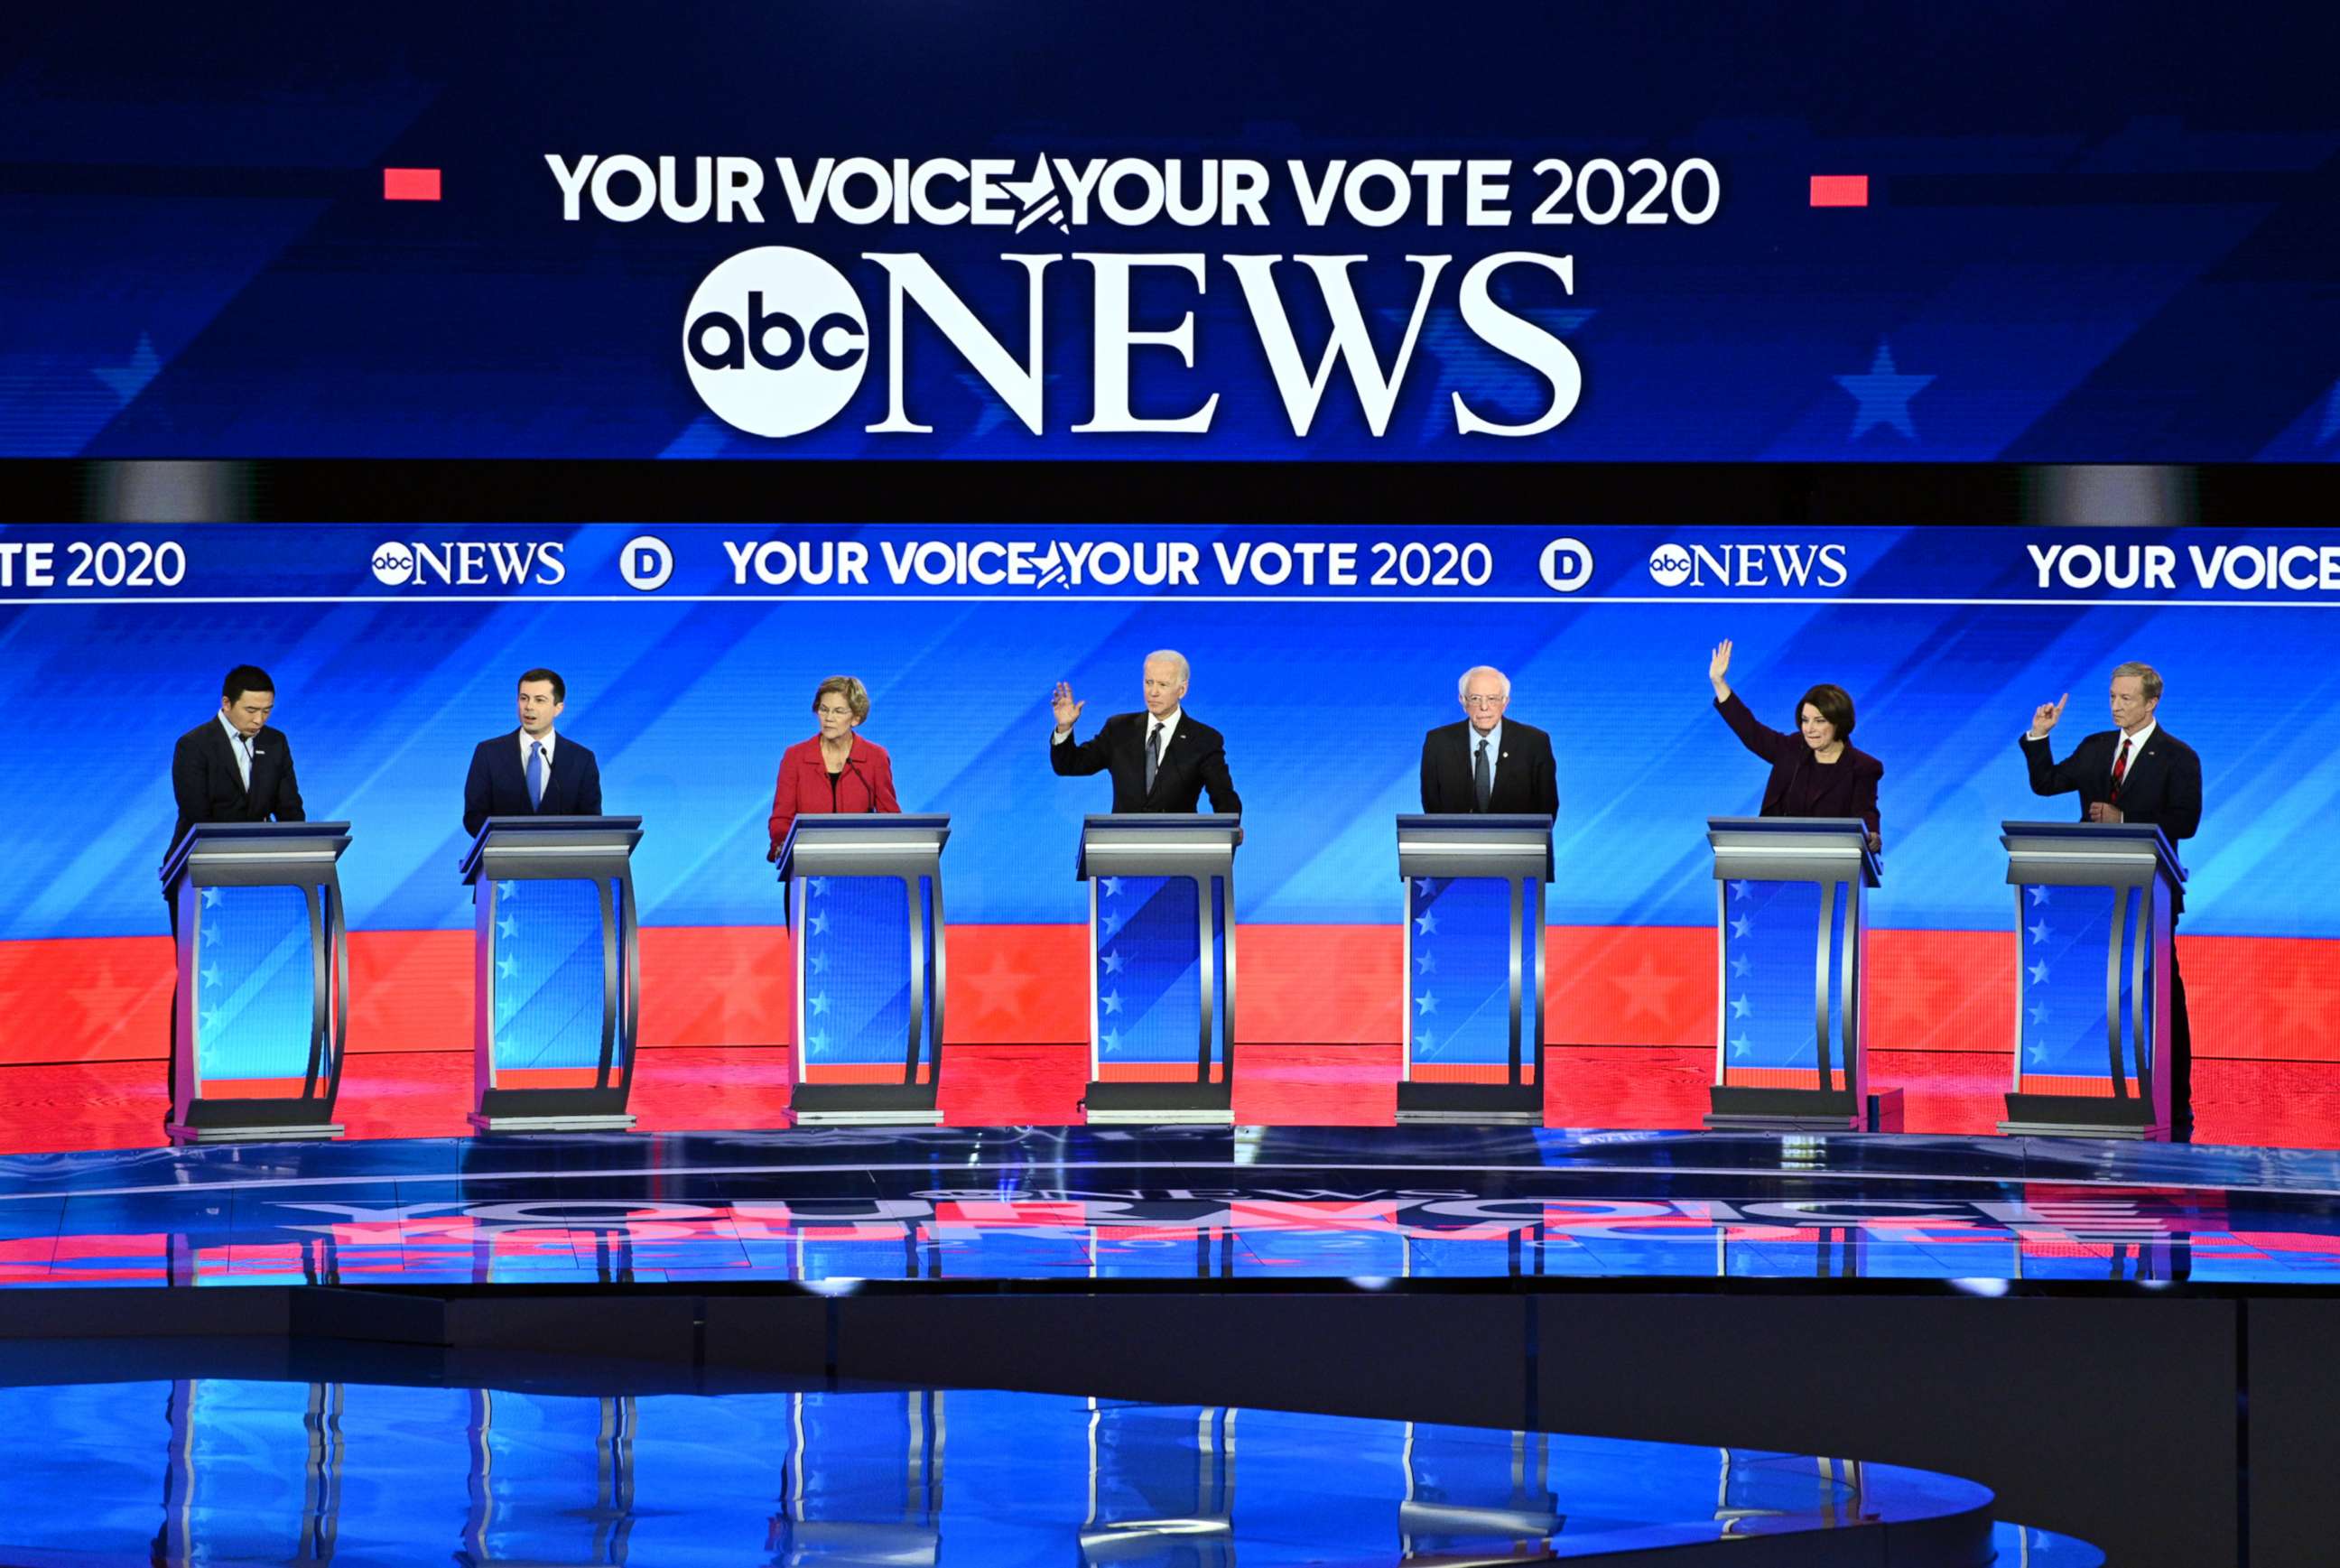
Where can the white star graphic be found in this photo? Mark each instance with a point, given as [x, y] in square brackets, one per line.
[2040, 933]
[507, 967]
[1111, 923]
[817, 1040]
[1739, 1046]
[1742, 925]
[1109, 886]
[1425, 962]
[1111, 962]
[207, 1019]
[1112, 1000]
[2039, 1014]
[2039, 974]
[818, 963]
[1426, 925]
[817, 886]
[818, 925]
[1740, 966]
[507, 926]
[1738, 890]
[819, 1003]
[1741, 1007]
[2038, 896]
[1425, 1004]
[2038, 1054]
[211, 898]
[211, 977]
[1422, 1042]
[1110, 1039]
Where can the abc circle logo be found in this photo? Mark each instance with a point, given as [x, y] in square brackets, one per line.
[1670, 564]
[394, 563]
[1566, 565]
[775, 340]
[646, 562]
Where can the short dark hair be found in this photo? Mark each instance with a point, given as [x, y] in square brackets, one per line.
[559, 687]
[245, 678]
[1835, 704]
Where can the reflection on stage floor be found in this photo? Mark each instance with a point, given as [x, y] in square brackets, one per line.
[1382, 1208]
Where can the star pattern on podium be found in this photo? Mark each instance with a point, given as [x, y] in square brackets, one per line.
[1111, 962]
[1738, 890]
[1742, 925]
[1425, 962]
[818, 1002]
[816, 962]
[1740, 1046]
[816, 887]
[1741, 1007]
[1110, 925]
[1109, 886]
[1110, 1039]
[506, 928]
[1425, 1004]
[2040, 931]
[1112, 1001]
[817, 924]
[1425, 924]
[211, 898]
[2039, 974]
[1740, 968]
[2038, 896]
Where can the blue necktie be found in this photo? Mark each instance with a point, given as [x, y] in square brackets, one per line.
[535, 775]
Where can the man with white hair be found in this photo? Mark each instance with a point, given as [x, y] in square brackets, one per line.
[1486, 762]
[1162, 759]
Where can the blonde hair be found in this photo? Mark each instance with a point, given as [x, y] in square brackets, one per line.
[856, 695]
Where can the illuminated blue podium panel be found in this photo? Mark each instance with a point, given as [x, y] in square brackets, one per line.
[867, 946]
[2092, 990]
[558, 993]
[1791, 1034]
[1162, 966]
[264, 981]
[1473, 949]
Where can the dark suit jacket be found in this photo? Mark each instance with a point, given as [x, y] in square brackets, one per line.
[208, 788]
[2163, 786]
[1196, 760]
[497, 786]
[866, 785]
[1525, 778]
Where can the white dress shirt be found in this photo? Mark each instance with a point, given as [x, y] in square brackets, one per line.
[1494, 740]
[242, 749]
[528, 740]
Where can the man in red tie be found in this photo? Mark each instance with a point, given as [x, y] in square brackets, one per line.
[2138, 772]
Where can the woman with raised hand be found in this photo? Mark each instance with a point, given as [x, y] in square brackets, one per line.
[1815, 772]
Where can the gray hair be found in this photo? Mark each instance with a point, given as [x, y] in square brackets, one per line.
[1173, 656]
[2147, 673]
[1462, 687]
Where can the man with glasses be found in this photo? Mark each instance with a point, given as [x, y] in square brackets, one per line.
[1162, 759]
[1486, 762]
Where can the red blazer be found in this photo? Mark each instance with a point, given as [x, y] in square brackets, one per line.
[866, 785]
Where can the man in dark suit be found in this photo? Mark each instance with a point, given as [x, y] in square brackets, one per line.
[531, 771]
[233, 767]
[1486, 762]
[1162, 759]
[2138, 772]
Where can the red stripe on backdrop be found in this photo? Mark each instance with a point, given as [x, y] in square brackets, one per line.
[107, 999]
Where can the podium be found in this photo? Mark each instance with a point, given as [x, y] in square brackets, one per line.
[866, 945]
[263, 1000]
[1791, 1036]
[1162, 966]
[1473, 966]
[2092, 992]
[558, 993]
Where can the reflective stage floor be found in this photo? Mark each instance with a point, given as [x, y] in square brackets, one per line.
[1380, 1207]
[215, 1469]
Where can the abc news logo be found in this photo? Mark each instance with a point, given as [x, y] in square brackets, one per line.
[469, 563]
[803, 331]
[1749, 566]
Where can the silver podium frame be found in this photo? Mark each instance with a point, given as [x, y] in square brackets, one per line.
[1515, 849]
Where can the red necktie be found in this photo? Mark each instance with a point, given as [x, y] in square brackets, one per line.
[2120, 766]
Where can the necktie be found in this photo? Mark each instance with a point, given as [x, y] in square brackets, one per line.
[2120, 766]
[1482, 778]
[535, 775]
[244, 760]
[1153, 756]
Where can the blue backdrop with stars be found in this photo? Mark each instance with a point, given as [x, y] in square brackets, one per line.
[2088, 236]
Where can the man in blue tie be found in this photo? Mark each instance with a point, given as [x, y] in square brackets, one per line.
[532, 772]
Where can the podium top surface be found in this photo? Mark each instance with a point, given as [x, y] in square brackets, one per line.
[1171, 843]
[1794, 848]
[551, 836]
[255, 842]
[2102, 843]
[1469, 844]
[869, 840]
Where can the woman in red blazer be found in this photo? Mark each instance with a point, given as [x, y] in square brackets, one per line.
[835, 771]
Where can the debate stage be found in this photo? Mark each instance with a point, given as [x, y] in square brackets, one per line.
[2077, 1325]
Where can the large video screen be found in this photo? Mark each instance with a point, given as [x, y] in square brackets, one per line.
[690, 654]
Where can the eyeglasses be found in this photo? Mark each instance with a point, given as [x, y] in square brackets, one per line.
[1484, 701]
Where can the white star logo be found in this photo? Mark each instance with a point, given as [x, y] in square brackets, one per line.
[817, 1040]
[1422, 1042]
[2038, 896]
[1738, 890]
[2039, 974]
[1425, 1004]
[211, 898]
[507, 967]
[1109, 886]
[507, 889]
[207, 1019]
[1742, 925]
[2039, 1015]
[211, 977]
[1112, 1000]
[1741, 1007]
[817, 886]
[2038, 1054]
[1740, 966]
[819, 1003]
[506, 928]
[1425, 962]
[818, 963]
[1426, 925]
[818, 925]
[2040, 933]
[1111, 923]
[1111, 962]
[1739, 1046]
[1110, 1039]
